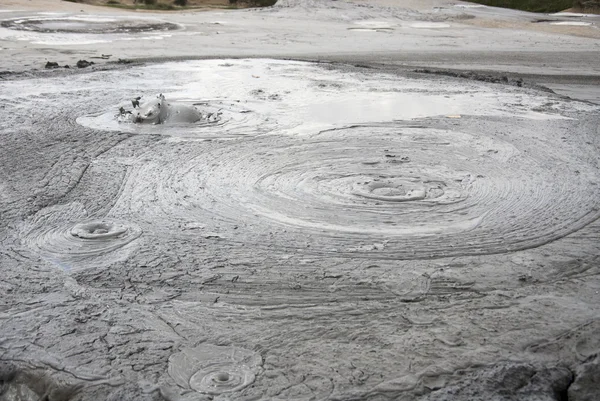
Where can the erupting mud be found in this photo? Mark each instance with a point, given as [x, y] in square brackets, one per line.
[160, 111]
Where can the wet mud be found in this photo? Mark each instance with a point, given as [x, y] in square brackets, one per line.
[161, 111]
[425, 215]
[286, 230]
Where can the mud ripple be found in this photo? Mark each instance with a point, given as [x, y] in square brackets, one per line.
[213, 369]
[385, 190]
[65, 234]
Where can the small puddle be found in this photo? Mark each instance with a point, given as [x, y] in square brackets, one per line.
[571, 23]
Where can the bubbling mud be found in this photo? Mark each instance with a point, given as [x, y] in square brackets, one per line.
[182, 118]
[161, 111]
[57, 235]
[96, 230]
[388, 191]
[344, 162]
[212, 369]
[87, 25]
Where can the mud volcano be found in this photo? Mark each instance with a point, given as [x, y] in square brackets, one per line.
[87, 25]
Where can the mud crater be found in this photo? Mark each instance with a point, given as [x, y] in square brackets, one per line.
[375, 167]
[212, 369]
[191, 118]
[87, 25]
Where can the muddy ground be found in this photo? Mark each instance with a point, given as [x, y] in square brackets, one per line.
[392, 200]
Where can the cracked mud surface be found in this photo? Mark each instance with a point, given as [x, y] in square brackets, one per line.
[338, 233]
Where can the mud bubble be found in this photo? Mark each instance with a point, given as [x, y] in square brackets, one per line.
[405, 192]
[87, 25]
[63, 235]
[194, 118]
[161, 111]
[98, 230]
[212, 369]
[83, 240]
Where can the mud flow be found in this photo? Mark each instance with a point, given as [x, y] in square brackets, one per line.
[239, 207]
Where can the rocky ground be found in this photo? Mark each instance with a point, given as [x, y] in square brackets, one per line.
[381, 201]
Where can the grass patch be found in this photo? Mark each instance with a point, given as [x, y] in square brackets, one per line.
[536, 6]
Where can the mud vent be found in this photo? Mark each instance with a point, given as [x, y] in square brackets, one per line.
[410, 168]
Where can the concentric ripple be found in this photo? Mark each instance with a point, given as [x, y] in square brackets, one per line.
[390, 190]
[213, 369]
[66, 240]
[353, 163]
[98, 230]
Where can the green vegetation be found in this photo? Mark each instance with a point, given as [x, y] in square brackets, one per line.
[538, 6]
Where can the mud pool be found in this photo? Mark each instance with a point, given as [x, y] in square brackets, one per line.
[312, 230]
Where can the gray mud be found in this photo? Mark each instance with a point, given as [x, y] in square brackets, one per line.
[188, 262]
[335, 231]
[83, 25]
